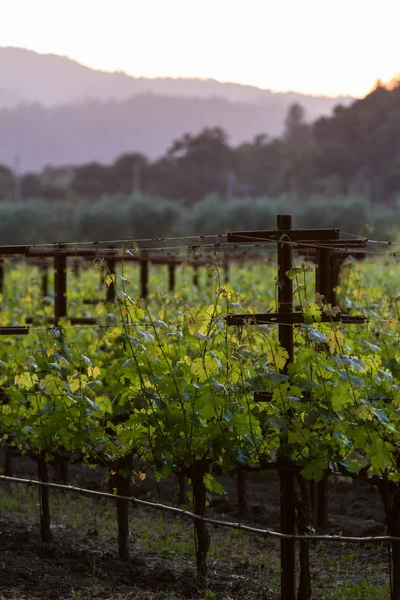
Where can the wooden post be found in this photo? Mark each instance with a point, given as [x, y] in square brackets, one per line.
[171, 277]
[1, 275]
[8, 462]
[226, 272]
[393, 520]
[60, 287]
[285, 286]
[336, 265]
[303, 521]
[144, 275]
[286, 474]
[45, 519]
[123, 489]
[181, 489]
[226, 268]
[195, 275]
[44, 280]
[242, 493]
[201, 530]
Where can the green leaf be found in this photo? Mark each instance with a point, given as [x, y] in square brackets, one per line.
[218, 385]
[372, 347]
[386, 375]
[146, 335]
[212, 484]
[312, 313]
[291, 274]
[314, 470]
[316, 335]
[201, 336]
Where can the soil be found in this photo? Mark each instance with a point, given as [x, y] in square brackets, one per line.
[87, 565]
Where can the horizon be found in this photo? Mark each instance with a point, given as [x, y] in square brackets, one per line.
[177, 78]
[329, 49]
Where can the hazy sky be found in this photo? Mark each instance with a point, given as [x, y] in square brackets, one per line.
[317, 46]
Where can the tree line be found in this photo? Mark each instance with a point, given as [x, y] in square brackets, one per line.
[355, 151]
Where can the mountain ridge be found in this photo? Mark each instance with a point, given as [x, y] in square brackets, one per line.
[53, 110]
[20, 67]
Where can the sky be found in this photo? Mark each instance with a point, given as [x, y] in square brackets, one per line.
[330, 47]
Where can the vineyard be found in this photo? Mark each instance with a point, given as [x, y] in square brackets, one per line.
[197, 358]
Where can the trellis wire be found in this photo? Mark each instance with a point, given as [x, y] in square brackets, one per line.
[189, 321]
[194, 517]
[197, 244]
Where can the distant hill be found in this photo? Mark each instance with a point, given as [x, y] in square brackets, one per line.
[54, 110]
[50, 79]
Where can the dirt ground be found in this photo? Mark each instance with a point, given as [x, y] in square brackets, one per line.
[84, 564]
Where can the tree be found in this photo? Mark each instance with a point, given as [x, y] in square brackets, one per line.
[130, 173]
[31, 186]
[93, 180]
[297, 132]
[195, 166]
[261, 166]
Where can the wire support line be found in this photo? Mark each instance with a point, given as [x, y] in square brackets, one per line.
[253, 241]
[185, 321]
[350, 235]
[148, 394]
[216, 246]
[195, 248]
[151, 394]
[230, 247]
[189, 321]
[261, 241]
[379, 539]
[384, 242]
[307, 244]
[198, 239]
[127, 240]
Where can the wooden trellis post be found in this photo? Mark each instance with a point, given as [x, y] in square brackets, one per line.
[144, 275]
[286, 474]
[60, 287]
[338, 256]
[44, 275]
[195, 274]
[171, 277]
[226, 268]
[1, 275]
